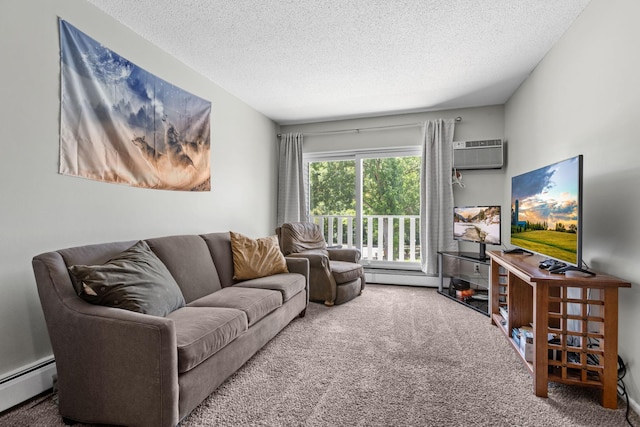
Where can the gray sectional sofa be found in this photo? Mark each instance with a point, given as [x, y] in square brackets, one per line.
[122, 367]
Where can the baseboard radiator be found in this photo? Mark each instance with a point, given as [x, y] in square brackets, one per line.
[392, 276]
[26, 382]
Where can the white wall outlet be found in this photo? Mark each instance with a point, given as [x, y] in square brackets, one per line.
[476, 268]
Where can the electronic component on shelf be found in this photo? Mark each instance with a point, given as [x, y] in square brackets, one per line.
[551, 264]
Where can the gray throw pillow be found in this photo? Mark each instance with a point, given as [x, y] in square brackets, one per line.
[134, 280]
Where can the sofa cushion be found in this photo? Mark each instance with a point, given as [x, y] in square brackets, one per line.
[189, 261]
[289, 284]
[253, 258]
[344, 272]
[301, 236]
[202, 331]
[255, 303]
[220, 248]
[134, 280]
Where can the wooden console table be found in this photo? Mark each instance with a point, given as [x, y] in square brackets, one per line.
[574, 319]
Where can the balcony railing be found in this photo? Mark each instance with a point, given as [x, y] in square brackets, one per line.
[393, 238]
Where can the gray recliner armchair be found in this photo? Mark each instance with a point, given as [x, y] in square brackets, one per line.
[335, 276]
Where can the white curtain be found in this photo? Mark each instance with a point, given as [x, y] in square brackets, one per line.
[436, 193]
[292, 198]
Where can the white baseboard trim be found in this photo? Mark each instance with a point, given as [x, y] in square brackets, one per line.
[409, 278]
[632, 403]
[26, 382]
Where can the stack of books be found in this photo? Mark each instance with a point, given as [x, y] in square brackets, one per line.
[523, 336]
[504, 312]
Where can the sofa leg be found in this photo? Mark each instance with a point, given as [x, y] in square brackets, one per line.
[302, 313]
[328, 303]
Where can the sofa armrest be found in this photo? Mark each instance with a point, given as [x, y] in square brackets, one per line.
[344, 254]
[299, 265]
[114, 365]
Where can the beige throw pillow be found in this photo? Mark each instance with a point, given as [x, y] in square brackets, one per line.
[253, 258]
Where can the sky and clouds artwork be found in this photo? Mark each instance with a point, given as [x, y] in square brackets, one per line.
[122, 124]
[549, 194]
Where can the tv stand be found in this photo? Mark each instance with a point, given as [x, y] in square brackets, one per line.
[464, 277]
[574, 317]
[483, 252]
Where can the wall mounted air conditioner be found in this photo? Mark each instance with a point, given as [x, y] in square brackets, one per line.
[485, 154]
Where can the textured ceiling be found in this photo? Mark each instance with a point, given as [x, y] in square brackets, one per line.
[313, 60]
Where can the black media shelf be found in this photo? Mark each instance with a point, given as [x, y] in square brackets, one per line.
[477, 305]
[464, 279]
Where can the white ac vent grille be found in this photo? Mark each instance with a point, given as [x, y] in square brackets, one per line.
[481, 154]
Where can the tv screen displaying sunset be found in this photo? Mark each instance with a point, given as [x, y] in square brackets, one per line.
[545, 210]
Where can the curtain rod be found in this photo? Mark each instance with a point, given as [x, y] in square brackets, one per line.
[357, 130]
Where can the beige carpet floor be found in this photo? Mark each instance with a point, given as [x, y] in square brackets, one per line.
[395, 356]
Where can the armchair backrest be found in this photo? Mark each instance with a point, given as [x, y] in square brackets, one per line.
[299, 237]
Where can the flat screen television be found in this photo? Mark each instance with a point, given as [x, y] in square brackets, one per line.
[478, 224]
[546, 213]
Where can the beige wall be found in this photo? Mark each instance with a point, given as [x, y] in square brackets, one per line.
[42, 210]
[583, 98]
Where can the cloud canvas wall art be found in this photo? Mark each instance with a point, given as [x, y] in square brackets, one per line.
[121, 124]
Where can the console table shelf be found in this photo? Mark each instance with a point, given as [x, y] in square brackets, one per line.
[573, 318]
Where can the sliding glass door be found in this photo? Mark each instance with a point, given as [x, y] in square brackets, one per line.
[369, 200]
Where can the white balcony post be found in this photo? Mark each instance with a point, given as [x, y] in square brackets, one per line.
[369, 237]
[412, 240]
[322, 225]
[401, 238]
[390, 239]
[380, 254]
[330, 232]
